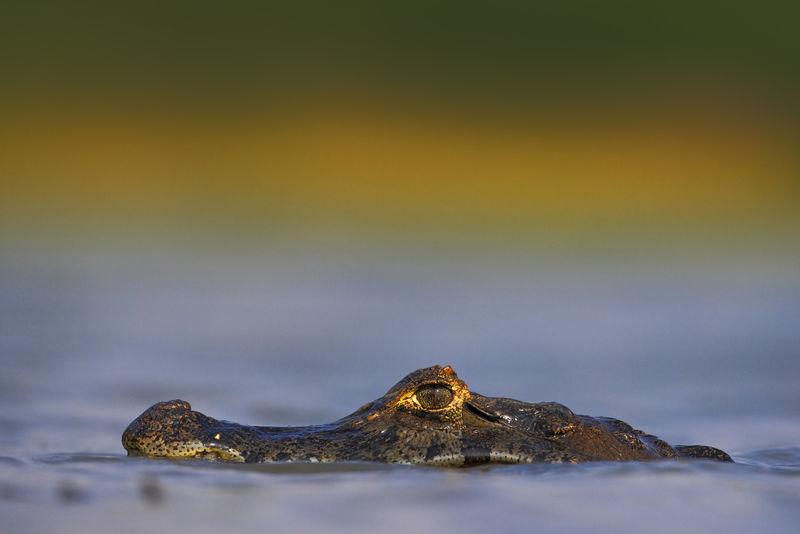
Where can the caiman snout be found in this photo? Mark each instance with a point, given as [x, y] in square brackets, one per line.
[172, 430]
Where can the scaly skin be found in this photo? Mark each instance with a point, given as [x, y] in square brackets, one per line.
[430, 417]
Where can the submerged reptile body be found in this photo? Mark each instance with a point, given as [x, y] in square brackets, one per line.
[430, 417]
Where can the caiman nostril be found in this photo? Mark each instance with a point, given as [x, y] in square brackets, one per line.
[176, 404]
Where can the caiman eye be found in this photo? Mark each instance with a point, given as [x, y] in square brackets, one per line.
[434, 396]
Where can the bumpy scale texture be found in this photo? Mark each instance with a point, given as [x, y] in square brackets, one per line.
[430, 417]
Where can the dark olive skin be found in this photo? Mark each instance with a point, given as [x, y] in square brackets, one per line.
[430, 417]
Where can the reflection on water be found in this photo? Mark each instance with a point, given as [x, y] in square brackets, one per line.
[693, 352]
[76, 492]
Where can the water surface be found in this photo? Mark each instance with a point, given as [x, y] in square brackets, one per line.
[695, 352]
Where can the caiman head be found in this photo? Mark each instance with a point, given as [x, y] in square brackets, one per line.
[429, 417]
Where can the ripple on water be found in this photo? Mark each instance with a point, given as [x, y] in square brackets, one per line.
[778, 458]
[78, 458]
[783, 459]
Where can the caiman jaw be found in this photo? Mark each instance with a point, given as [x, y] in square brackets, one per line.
[184, 451]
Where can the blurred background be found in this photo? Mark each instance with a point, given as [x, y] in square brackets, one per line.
[517, 125]
[570, 201]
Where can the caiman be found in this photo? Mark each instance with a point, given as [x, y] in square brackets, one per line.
[430, 417]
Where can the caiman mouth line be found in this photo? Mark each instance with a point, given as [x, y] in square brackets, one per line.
[430, 417]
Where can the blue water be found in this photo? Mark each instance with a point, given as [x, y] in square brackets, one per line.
[695, 351]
